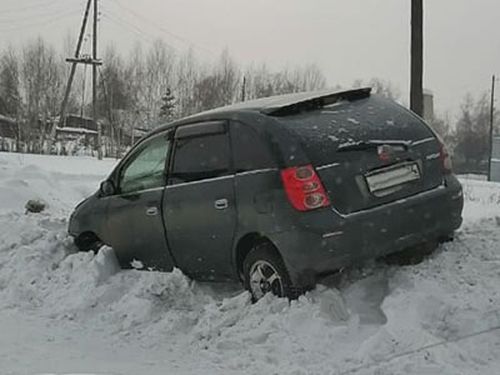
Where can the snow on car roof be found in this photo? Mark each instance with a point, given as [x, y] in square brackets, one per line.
[273, 104]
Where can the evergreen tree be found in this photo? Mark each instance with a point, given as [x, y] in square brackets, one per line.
[167, 109]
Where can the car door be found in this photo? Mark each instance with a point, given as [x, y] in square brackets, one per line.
[199, 203]
[134, 217]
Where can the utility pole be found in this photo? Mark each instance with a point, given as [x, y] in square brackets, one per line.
[94, 83]
[492, 115]
[77, 59]
[243, 89]
[62, 113]
[417, 57]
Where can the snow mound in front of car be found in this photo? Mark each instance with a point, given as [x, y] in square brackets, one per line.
[374, 313]
[42, 271]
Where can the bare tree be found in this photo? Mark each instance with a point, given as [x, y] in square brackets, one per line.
[9, 83]
[228, 77]
[41, 79]
[381, 87]
[308, 78]
[261, 82]
[220, 86]
[187, 74]
[258, 82]
[472, 137]
[132, 91]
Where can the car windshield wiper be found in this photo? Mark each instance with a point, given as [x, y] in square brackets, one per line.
[356, 146]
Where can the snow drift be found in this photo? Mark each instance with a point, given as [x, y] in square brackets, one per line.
[63, 311]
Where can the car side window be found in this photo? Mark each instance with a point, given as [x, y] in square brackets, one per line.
[200, 157]
[146, 169]
[250, 151]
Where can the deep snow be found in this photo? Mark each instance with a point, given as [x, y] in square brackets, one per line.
[68, 312]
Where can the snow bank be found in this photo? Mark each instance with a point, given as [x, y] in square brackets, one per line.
[90, 316]
[59, 181]
[483, 200]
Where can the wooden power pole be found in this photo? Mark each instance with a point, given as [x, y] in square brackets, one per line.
[77, 59]
[62, 112]
[417, 57]
[244, 89]
[94, 83]
[492, 120]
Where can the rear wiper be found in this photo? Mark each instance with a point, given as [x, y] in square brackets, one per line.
[373, 144]
[356, 146]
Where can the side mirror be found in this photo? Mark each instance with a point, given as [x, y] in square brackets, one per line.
[107, 188]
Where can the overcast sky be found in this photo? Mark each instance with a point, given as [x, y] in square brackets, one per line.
[348, 39]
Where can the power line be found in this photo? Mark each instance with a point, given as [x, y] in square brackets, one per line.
[127, 26]
[406, 353]
[421, 349]
[39, 4]
[42, 22]
[162, 29]
[148, 37]
[34, 15]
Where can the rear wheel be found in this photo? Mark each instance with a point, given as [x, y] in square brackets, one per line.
[264, 272]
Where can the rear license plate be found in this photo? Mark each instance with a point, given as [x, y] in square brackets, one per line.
[388, 180]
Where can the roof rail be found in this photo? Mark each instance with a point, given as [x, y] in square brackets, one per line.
[315, 101]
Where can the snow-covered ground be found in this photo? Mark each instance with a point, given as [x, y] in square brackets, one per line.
[68, 312]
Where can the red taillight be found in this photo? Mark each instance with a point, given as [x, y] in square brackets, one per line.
[304, 188]
[445, 159]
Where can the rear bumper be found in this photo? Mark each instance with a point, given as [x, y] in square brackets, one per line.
[327, 241]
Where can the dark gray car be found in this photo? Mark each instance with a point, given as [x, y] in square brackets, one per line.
[277, 192]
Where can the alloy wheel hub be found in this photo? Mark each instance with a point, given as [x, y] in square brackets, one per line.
[264, 278]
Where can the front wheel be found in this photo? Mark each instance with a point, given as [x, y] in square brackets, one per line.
[264, 272]
[88, 241]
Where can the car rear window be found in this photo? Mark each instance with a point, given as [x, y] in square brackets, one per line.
[322, 131]
[250, 152]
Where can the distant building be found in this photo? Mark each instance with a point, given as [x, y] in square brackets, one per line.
[76, 126]
[495, 160]
[428, 105]
[77, 136]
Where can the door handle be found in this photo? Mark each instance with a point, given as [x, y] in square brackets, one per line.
[221, 204]
[152, 211]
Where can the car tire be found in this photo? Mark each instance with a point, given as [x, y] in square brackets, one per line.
[413, 255]
[88, 242]
[265, 272]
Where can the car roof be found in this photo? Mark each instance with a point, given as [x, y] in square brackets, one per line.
[274, 105]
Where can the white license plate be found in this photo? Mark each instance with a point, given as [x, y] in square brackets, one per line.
[388, 180]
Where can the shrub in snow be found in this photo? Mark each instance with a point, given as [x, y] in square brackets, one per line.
[35, 206]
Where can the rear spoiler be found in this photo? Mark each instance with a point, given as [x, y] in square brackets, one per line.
[316, 101]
